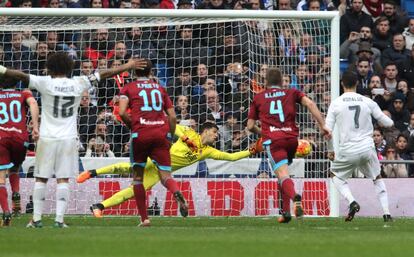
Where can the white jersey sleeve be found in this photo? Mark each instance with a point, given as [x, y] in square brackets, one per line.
[39, 82]
[88, 81]
[379, 115]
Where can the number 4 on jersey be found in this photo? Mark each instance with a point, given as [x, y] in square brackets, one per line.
[277, 108]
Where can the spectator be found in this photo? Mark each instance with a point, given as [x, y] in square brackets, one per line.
[137, 46]
[241, 99]
[390, 77]
[54, 4]
[397, 53]
[213, 4]
[97, 147]
[406, 69]
[402, 87]
[215, 107]
[409, 133]
[96, 4]
[353, 19]
[284, 5]
[288, 45]
[364, 74]
[402, 151]
[182, 108]
[409, 34]
[29, 40]
[382, 38]
[379, 94]
[136, 4]
[125, 150]
[230, 51]
[181, 84]
[185, 4]
[87, 118]
[120, 52]
[17, 55]
[38, 63]
[231, 119]
[393, 170]
[301, 78]
[200, 79]
[359, 44]
[311, 5]
[399, 113]
[239, 140]
[398, 21]
[52, 40]
[286, 81]
[390, 133]
[100, 47]
[379, 142]
[373, 8]
[86, 69]
[188, 50]
[257, 84]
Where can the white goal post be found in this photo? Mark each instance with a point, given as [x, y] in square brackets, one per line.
[235, 47]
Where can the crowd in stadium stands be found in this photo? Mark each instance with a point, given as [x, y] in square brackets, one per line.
[208, 70]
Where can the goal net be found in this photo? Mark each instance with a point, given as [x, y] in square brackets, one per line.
[212, 63]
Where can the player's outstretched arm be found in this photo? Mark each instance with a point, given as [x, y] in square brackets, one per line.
[172, 120]
[34, 111]
[317, 115]
[135, 64]
[123, 106]
[252, 127]
[25, 78]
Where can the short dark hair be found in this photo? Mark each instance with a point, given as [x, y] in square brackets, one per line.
[59, 64]
[208, 125]
[8, 82]
[145, 72]
[274, 76]
[349, 80]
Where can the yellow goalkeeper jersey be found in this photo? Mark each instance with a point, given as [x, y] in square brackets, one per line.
[182, 156]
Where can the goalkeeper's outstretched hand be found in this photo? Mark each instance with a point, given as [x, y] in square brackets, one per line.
[257, 147]
[190, 143]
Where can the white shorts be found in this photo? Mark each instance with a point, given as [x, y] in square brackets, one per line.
[59, 158]
[366, 162]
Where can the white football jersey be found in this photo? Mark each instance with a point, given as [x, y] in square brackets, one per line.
[352, 113]
[60, 103]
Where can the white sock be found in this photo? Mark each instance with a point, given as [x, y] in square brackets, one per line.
[39, 193]
[343, 188]
[382, 195]
[62, 199]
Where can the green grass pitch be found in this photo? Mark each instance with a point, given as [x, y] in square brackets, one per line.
[198, 237]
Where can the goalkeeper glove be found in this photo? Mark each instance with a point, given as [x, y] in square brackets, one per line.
[257, 147]
[189, 143]
[2, 70]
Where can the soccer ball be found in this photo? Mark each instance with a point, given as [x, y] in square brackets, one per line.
[304, 148]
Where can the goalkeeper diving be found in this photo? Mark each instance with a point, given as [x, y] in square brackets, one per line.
[191, 147]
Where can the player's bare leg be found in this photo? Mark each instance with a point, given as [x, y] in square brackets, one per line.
[140, 194]
[169, 182]
[15, 188]
[4, 204]
[288, 193]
